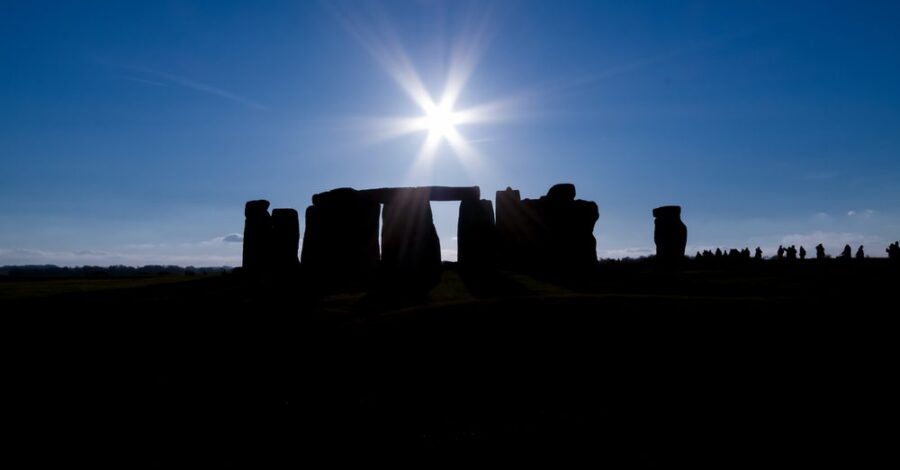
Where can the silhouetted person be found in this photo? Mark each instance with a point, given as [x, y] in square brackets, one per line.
[758, 254]
[820, 251]
[745, 253]
[780, 253]
[893, 251]
[802, 253]
[718, 253]
[847, 253]
[860, 254]
[791, 253]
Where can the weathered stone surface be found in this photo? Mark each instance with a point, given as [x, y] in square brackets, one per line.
[257, 236]
[285, 239]
[340, 241]
[411, 251]
[476, 237]
[670, 234]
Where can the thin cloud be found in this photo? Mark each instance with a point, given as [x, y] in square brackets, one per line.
[822, 217]
[648, 61]
[160, 78]
[195, 255]
[233, 238]
[622, 253]
[865, 214]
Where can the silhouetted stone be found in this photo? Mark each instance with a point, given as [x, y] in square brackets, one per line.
[341, 238]
[578, 238]
[554, 232]
[411, 251]
[340, 242]
[476, 237]
[670, 234]
[257, 236]
[285, 239]
[431, 193]
[563, 192]
[513, 227]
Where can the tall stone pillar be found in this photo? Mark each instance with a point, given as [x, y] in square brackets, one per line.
[257, 236]
[670, 234]
[340, 242]
[285, 239]
[475, 236]
[411, 250]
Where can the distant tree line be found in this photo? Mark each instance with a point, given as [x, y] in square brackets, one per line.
[101, 272]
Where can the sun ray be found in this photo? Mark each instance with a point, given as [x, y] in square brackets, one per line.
[440, 120]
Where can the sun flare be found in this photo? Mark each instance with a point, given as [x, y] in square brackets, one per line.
[440, 120]
[442, 117]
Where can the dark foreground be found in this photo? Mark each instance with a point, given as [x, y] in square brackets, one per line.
[755, 365]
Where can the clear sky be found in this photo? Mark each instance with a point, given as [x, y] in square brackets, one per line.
[133, 133]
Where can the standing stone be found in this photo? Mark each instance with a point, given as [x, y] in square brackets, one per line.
[340, 242]
[411, 250]
[670, 234]
[513, 229]
[257, 236]
[285, 239]
[579, 243]
[555, 232]
[562, 192]
[476, 238]
[567, 244]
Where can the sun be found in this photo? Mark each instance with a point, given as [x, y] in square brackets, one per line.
[442, 117]
[440, 120]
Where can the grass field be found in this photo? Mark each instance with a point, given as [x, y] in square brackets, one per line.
[43, 288]
[629, 367]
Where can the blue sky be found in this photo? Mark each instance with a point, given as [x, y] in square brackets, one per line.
[134, 133]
